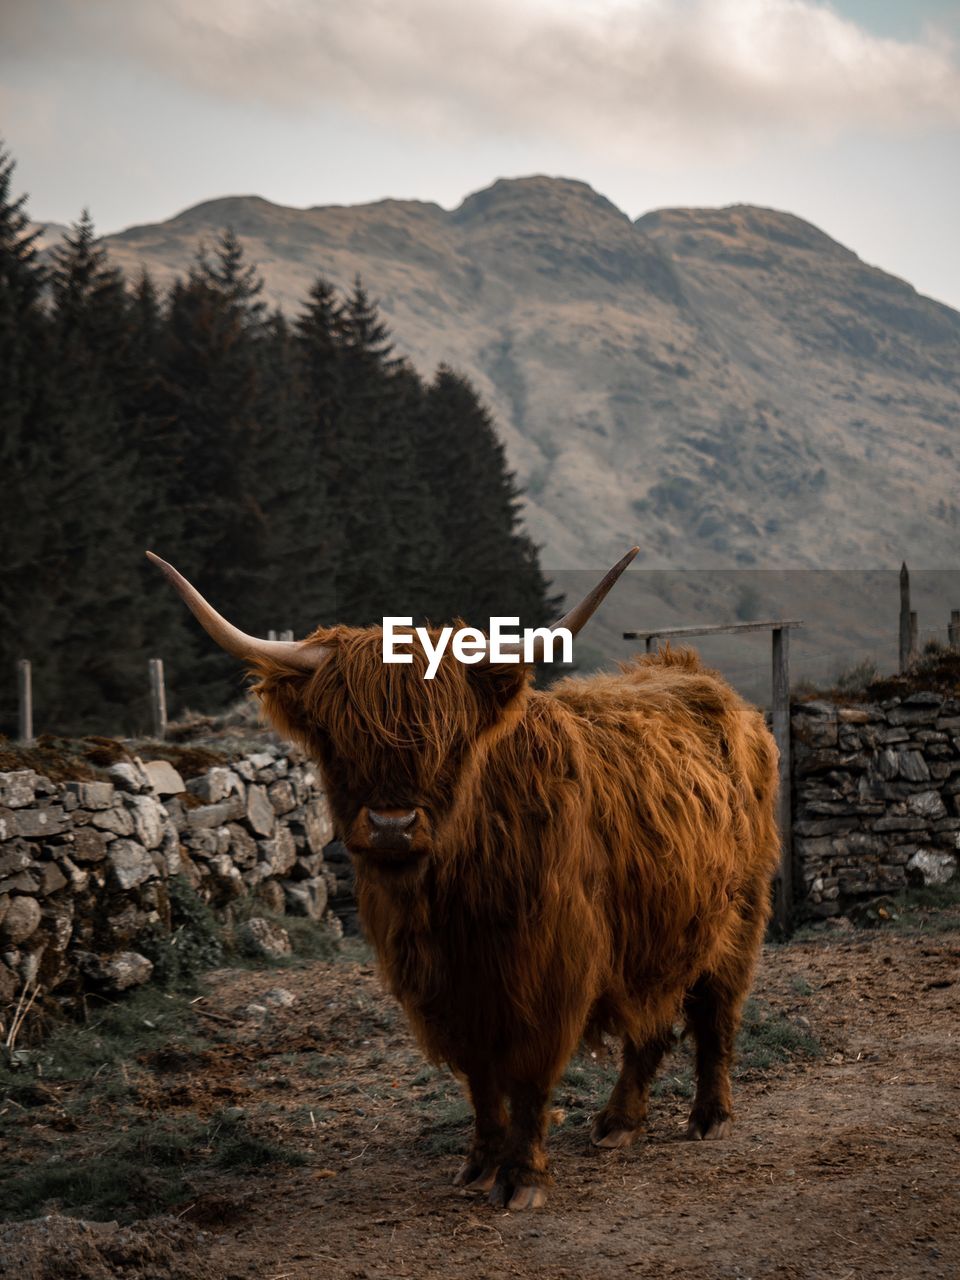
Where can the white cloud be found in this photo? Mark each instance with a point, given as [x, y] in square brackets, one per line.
[646, 78]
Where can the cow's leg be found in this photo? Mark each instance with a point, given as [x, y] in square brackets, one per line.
[619, 1121]
[479, 1171]
[523, 1178]
[712, 1008]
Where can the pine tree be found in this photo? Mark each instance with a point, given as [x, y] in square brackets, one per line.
[23, 513]
[492, 565]
[89, 563]
[212, 375]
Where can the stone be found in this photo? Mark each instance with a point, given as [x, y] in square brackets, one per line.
[816, 707]
[170, 850]
[334, 924]
[216, 815]
[242, 846]
[14, 856]
[260, 760]
[900, 822]
[281, 797]
[931, 866]
[37, 823]
[92, 795]
[254, 1012]
[814, 733]
[910, 715]
[873, 914]
[913, 767]
[129, 777]
[259, 812]
[21, 882]
[130, 864]
[52, 879]
[888, 763]
[8, 825]
[227, 875]
[204, 842]
[58, 924]
[307, 866]
[88, 845]
[278, 998]
[924, 698]
[9, 982]
[215, 785]
[280, 852]
[148, 819]
[313, 823]
[21, 921]
[18, 788]
[126, 969]
[927, 804]
[258, 937]
[859, 715]
[893, 735]
[118, 821]
[78, 878]
[176, 814]
[306, 897]
[163, 777]
[270, 894]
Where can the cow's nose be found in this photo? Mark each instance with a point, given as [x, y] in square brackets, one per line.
[392, 823]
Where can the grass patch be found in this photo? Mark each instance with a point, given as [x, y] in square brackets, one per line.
[113, 1035]
[768, 1040]
[151, 1166]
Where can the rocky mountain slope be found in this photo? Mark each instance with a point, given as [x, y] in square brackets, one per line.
[730, 387]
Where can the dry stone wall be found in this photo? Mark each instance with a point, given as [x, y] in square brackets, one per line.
[876, 797]
[85, 866]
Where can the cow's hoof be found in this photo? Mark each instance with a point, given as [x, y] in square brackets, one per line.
[474, 1177]
[527, 1198]
[519, 1189]
[609, 1134]
[505, 1196]
[708, 1126]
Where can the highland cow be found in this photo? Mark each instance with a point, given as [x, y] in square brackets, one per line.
[536, 868]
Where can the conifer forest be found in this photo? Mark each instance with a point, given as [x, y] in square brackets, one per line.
[295, 467]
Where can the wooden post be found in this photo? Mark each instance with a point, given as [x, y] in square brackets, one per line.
[286, 635]
[904, 616]
[25, 701]
[780, 706]
[953, 631]
[650, 640]
[271, 634]
[914, 632]
[158, 699]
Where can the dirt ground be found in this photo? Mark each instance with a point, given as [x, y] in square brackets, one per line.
[844, 1162]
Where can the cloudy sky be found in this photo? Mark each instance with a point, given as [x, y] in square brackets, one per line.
[846, 113]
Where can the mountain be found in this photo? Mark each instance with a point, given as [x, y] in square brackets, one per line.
[728, 387]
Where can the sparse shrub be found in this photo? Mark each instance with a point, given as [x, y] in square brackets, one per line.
[193, 945]
[858, 678]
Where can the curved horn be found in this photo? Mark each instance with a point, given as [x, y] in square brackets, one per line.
[578, 617]
[303, 656]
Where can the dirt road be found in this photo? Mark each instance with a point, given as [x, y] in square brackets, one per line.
[844, 1164]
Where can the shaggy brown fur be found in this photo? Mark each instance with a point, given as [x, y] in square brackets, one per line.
[593, 859]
